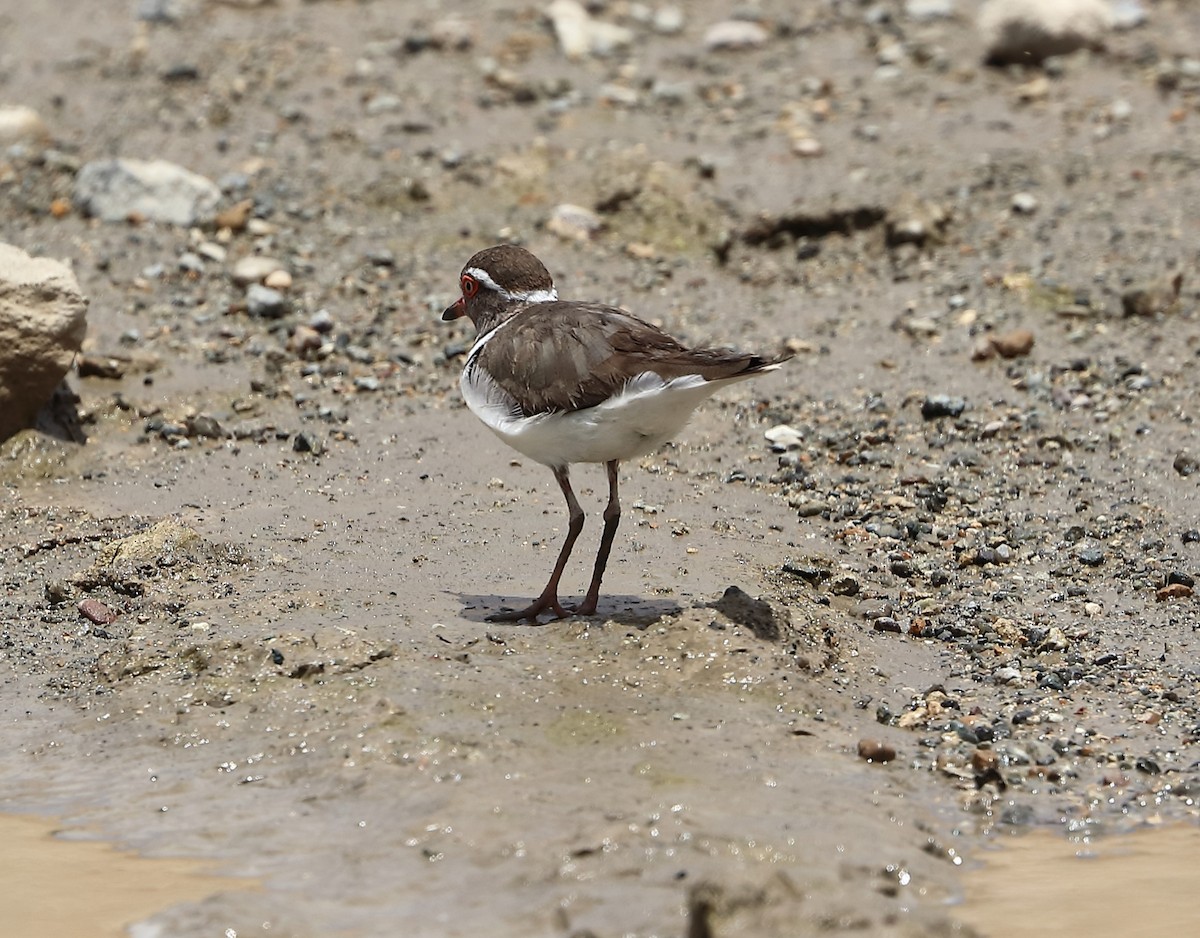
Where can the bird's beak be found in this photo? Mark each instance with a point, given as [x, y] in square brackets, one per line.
[455, 311]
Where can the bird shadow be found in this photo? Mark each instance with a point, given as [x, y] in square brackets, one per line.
[630, 611]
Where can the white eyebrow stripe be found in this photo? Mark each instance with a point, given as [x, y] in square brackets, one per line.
[527, 296]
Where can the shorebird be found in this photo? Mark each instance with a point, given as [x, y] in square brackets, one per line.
[567, 382]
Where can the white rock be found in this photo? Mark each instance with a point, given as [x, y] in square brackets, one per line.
[573, 222]
[20, 123]
[255, 269]
[784, 437]
[580, 35]
[1024, 203]
[1030, 31]
[922, 10]
[155, 190]
[734, 34]
[668, 20]
[43, 319]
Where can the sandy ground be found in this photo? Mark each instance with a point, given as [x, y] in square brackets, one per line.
[300, 681]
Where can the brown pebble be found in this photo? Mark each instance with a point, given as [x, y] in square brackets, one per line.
[1173, 591]
[1013, 344]
[60, 208]
[97, 612]
[304, 339]
[876, 750]
[235, 217]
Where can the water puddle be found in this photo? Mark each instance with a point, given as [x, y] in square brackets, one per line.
[1040, 883]
[55, 886]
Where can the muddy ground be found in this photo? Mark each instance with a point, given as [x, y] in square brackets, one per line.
[982, 563]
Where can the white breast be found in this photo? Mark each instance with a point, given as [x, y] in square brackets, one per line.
[645, 414]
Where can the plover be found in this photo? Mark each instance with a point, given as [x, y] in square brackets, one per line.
[567, 382]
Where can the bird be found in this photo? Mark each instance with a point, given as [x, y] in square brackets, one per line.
[565, 382]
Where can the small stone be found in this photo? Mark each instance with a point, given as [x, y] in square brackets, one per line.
[784, 437]
[924, 10]
[875, 750]
[1027, 32]
[1091, 556]
[204, 425]
[1006, 675]
[573, 222]
[1014, 344]
[1185, 464]
[668, 20]
[942, 405]
[579, 35]
[303, 340]
[1173, 591]
[734, 35]
[19, 123]
[278, 280]
[306, 442]
[97, 612]
[255, 269]
[236, 217]
[58, 591]
[1024, 203]
[886, 624]
[265, 303]
[844, 585]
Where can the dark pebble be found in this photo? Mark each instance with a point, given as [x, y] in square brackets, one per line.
[808, 574]
[308, 443]
[941, 405]
[1191, 536]
[1091, 556]
[885, 624]
[875, 750]
[1183, 579]
[1185, 465]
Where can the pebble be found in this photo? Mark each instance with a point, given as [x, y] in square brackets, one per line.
[579, 35]
[322, 321]
[255, 269]
[1015, 344]
[303, 340]
[97, 612]
[18, 123]
[845, 585]
[121, 190]
[573, 222]
[733, 35]
[263, 302]
[784, 437]
[1091, 556]
[1031, 31]
[278, 280]
[668, 20]
[942, 405]
[1024, 203]
[924, 10]
[876, 750]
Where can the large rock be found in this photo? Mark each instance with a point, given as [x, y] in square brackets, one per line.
[155, 190]
[1030, 31]
[43, 319]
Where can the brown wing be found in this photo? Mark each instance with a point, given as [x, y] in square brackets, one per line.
[569, 356]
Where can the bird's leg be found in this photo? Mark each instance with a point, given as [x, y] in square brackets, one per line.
[612, 517]
[548, 601]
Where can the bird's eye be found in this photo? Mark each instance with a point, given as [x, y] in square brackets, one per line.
[470, 286]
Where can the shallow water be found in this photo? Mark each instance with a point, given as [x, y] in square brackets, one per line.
[1041, 883]
[59, 886]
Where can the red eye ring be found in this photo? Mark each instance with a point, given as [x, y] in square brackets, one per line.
[470, 286]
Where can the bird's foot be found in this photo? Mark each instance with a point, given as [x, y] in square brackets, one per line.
[532, 611]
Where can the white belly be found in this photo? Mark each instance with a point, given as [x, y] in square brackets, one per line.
[646, 414]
